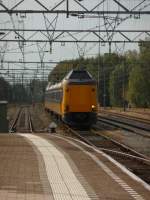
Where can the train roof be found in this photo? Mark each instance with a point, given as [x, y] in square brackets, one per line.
[79, 76]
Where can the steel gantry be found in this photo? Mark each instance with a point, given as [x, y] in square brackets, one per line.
[80, 9]
[61, 36]
[65, 7]
[110, 13]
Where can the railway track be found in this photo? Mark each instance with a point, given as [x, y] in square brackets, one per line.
[147, 113]
[135, 162]
[126, 123]
[128, 117]
[22, 122]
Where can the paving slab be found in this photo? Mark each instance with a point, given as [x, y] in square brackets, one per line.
[107, 179]
[22, 170]
[49, 167]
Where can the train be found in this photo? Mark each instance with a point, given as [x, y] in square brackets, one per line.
[74, 99]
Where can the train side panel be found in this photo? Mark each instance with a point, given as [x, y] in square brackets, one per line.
[54, 107]
[53, 100]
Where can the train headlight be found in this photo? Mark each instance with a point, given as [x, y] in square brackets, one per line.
[93, 108]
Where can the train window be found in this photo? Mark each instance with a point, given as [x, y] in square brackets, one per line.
[54, 96]
[81, 74]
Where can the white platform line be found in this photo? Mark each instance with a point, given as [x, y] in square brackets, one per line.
[64, 184]
[116, 178]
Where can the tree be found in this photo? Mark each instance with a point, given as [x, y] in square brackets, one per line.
[120, 77]
[117, 86]
[19, 94]
[139, 81]
[5, 90]
[37, 88]
[138, 92]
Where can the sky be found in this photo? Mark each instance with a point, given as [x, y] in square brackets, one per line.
[61, 51]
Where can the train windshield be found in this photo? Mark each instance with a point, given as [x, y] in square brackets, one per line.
[79, 75]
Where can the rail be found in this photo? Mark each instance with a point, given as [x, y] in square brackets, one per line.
[136, 162]
[22, 121]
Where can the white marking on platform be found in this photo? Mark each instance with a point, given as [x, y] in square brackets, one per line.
[120, 166]
[116, 178]
[64, 183]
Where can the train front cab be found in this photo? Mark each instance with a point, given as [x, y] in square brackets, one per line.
[79, 105]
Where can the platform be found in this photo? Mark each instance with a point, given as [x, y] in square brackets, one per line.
[52, 167]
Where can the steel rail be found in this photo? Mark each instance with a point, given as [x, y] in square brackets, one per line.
[138, 165]
[123, 146]
[17, 117]
[12, 127]
[30, 122]
[126, 126]
[140, 156]
[130, 117]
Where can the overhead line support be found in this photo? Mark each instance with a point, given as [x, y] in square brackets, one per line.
[32, 62]
[78, 41]
[67, 6]
[73, 30]
[72, 12]
[122, 6]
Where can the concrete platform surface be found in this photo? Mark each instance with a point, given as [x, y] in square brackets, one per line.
[52, 167]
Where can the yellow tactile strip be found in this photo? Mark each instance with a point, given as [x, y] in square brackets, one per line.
[63, 181]
[103, 185]
[22, 173]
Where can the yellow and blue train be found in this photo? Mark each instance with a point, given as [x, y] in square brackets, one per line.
[74, 100]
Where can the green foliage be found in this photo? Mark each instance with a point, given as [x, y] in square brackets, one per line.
[19, 93]
[139, 81]
[121, 78]
[99, 67]
[5, 90]
[37, 90]
[139, 92]
[117, 86]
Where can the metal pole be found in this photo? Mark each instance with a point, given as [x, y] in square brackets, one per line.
[104, 95]
[67, 5]
[98, 67]
[124, 104]
[109, 48]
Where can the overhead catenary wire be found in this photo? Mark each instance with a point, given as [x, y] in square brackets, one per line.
[141, 5]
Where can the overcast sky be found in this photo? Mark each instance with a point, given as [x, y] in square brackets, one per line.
[68, 51]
